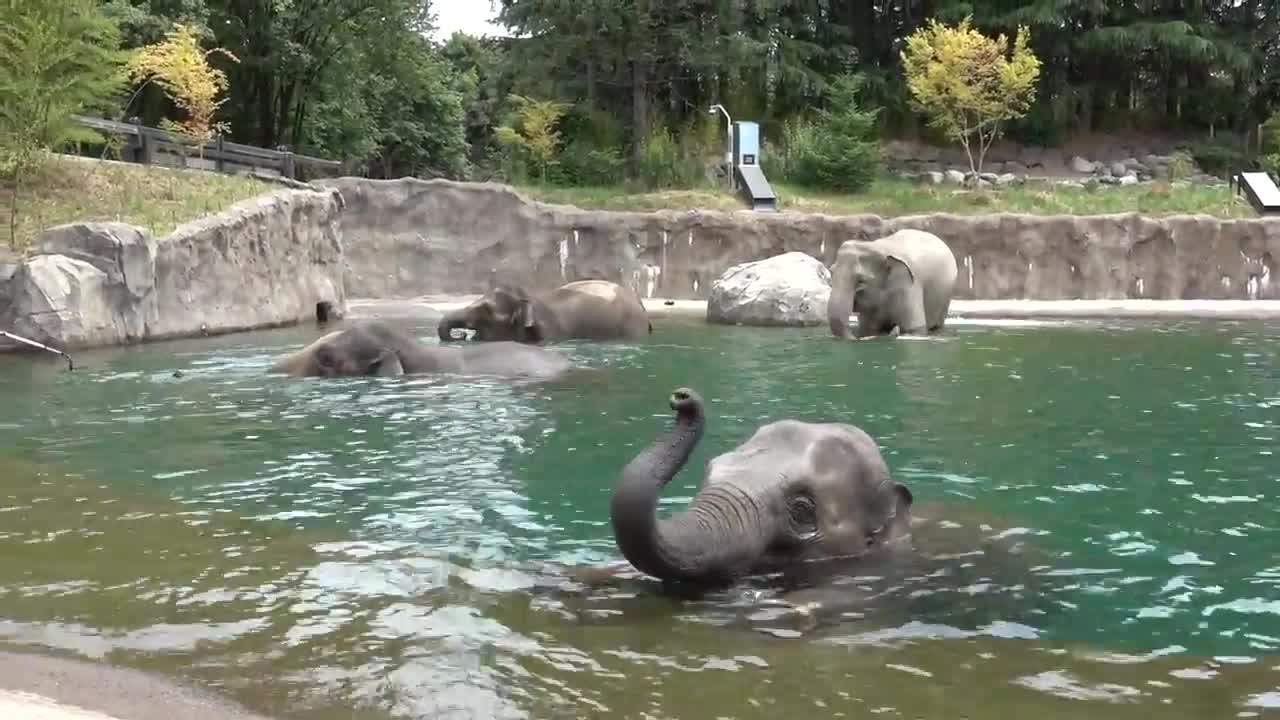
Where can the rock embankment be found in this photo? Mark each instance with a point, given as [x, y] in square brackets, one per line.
[273, 260]
[406, 238]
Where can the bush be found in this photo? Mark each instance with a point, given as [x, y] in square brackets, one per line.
[662, 164]
[840, 151]
[1220, 156]
[582, 164]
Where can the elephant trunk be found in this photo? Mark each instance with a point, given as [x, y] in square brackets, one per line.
[840, 302]
[722, 532]
[450, 322]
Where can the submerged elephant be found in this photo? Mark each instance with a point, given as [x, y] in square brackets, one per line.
[901, 281]
[793, 492]
[589, 309]
[372, 347]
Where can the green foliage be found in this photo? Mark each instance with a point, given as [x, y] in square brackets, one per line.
[963, 81]
[181, 68]
[663, 163]
[536, 133]
[840, 150]
[1222, 155]
[58, 58]
[580, 163]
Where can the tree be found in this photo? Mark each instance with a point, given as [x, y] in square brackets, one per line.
[966, 85]
[58, 58]
[182, 69]
[537, 134]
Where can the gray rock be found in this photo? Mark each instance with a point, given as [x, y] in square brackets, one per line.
[1119, 169]
[988, 177]
[955, 176]
[935, 177]
[1006, 179]
[790, 289]
[1108, 180]
[270, 260]
[1129, 179]
[1080, 165]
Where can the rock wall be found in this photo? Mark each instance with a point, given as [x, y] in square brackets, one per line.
[269, 261]
[405, 238]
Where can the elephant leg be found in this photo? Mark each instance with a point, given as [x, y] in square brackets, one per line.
[940, 315]
[909, 313]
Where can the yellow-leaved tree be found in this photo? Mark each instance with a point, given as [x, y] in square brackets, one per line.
[181, 68]
[968, 84]
[537, 134]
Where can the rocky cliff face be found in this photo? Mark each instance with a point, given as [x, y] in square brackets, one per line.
[409, 237]
[267, 261]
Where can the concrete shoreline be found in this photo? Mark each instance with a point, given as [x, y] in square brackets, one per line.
[44, 687]
[432, 305]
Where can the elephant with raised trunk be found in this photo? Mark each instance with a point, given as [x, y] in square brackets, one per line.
[372, 347]
[794, 492]
[588, 309]
[903, 281]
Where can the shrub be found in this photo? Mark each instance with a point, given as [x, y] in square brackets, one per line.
[1220, 155]
[582, 164]
[840, 151]
[663, 165]
[1180, 165]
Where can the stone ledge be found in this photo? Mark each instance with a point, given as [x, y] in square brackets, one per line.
[432, 306]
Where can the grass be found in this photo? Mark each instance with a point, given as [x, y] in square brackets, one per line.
[894, 197]
[67, 189]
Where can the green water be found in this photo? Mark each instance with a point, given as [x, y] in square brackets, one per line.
[1097, 505]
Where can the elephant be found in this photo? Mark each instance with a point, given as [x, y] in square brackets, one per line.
[372, 347]
[902, 282]
[589, 309]
[795, 492]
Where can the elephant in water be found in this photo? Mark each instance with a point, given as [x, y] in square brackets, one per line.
[372, 347]
[590, 309]
[794, 492]
[901, 281]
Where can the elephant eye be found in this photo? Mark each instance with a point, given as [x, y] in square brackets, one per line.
[804, 515]
[874, 535]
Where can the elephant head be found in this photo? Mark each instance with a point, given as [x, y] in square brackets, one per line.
[355, 351]
[504, 313]
[793, 492]
[868, 280]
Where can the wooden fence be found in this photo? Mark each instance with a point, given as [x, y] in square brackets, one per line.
[148, 146]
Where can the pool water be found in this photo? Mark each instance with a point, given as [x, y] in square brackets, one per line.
[1096, 508]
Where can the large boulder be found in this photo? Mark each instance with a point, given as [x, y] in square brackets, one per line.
[787, 289]
[89, 284]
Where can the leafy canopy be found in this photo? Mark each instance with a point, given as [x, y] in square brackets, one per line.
[181, 68]
[968, 84]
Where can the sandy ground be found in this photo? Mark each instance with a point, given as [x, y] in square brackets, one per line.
[433, 305]
[38, 687]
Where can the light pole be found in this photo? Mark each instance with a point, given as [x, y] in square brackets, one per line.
[728, 153]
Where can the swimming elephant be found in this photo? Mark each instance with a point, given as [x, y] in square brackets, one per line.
[590, 309]
[793, 492]
[372, 347]
[901, 281]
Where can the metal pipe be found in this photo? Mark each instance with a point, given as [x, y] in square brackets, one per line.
[70, 365]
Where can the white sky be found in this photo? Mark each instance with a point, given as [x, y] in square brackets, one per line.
[474, 17]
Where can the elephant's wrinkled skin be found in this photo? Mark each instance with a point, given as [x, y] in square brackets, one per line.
[794, 492]
[588, 309]
[372, 347]
[902, 281]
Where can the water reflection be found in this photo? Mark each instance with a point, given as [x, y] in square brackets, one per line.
[1093, 528]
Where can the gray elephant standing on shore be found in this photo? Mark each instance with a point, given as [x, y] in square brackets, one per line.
[588, 309]
[901, 281]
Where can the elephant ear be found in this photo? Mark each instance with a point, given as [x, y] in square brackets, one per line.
[898, 275]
